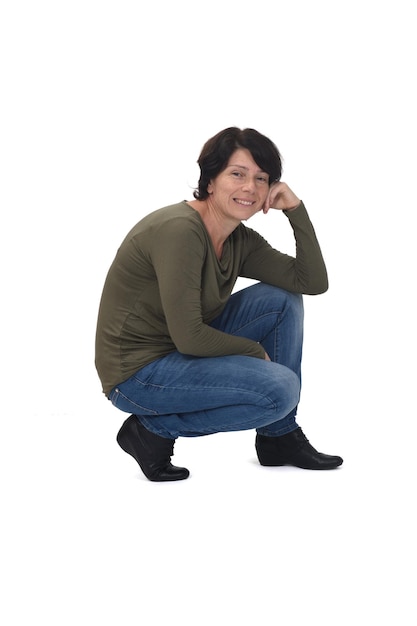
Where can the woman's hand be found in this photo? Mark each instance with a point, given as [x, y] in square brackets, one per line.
[281, 197]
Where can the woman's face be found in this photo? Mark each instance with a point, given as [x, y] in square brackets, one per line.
[240, 190]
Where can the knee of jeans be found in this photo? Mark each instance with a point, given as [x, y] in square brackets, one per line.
[292, 299]
[284, 299]
[284, 386]
[271, 291]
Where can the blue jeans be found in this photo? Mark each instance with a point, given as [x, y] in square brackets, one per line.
[181, 395]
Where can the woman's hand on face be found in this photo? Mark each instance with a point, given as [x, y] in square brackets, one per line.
[281, 197]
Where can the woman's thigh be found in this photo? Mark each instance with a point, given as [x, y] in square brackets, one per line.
[213, 394]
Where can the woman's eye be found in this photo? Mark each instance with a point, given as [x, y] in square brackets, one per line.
[262, 179]
[237, 174]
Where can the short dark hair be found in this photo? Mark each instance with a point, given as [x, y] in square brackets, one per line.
[217, 151]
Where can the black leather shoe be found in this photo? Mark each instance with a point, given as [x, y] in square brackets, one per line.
[152, 452]
[293, 449]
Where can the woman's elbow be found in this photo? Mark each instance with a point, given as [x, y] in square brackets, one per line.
[315, 288]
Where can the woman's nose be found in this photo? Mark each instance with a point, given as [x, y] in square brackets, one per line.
[249, 185]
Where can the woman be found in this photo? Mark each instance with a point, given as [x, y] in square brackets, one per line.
[183, 355]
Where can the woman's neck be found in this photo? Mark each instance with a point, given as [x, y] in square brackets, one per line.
[218, 228]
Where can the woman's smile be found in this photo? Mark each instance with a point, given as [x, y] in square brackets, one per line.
[244, 202]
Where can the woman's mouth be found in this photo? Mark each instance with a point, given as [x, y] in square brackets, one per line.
[243, 202]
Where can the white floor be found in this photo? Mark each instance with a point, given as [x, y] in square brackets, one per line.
[88, 540]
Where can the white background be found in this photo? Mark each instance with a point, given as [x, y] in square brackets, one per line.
[104, 109]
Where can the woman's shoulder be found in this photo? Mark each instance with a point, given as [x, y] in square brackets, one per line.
[176, 227]
[168, 218]
[170, 215]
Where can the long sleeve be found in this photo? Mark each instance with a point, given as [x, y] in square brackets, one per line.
[305, 273]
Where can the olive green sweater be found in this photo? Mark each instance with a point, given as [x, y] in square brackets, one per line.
[166, 285]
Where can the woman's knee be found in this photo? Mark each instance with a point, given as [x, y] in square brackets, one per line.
[283, 387]
[281, 296]
[280, 300]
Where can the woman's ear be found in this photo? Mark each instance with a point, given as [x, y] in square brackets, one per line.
[210, 188]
